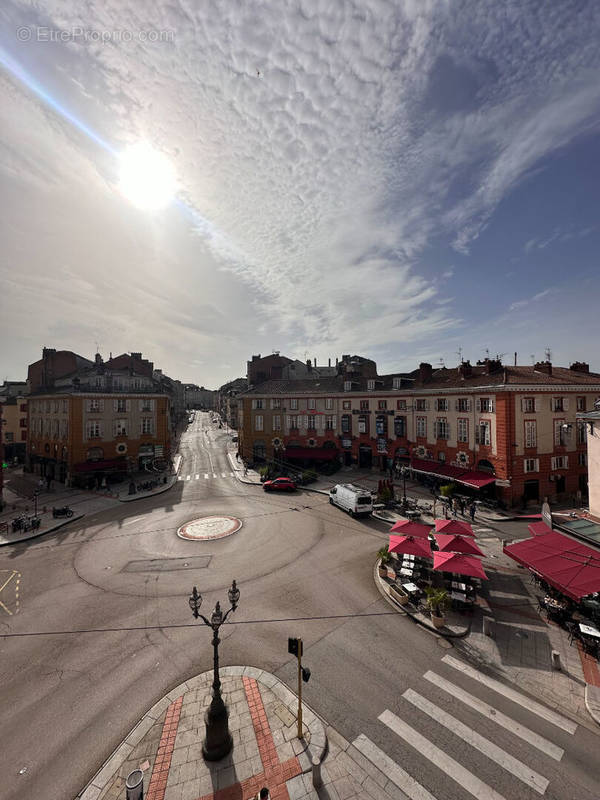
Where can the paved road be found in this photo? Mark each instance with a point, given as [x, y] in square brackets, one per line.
[115, 590]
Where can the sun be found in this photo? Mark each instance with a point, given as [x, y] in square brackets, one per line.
[146, 177]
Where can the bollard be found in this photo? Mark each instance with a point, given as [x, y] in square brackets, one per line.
[556, 660]
[316, 772]
[488, 627]
[134, 785]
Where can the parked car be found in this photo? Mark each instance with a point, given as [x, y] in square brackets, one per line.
[353, 499]
[279, 485]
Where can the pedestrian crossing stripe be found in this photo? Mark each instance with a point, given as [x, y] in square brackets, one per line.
[207, 475]
[405, 782]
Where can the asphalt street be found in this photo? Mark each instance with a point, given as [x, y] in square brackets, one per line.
[104, 630]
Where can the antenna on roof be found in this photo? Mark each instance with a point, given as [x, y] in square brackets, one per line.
[487, 352]
[500, 356]
[548, 354]
[459, 354]
[532, 357]
[441, 362]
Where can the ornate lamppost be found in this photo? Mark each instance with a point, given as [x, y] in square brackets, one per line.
[218, 742]
[403, 473]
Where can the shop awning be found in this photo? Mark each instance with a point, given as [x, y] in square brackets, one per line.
[476, 479]
[571, 567]
[538, 528]
[318, 453]
[101, 466]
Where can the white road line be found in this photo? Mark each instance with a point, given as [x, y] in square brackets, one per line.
[469, 782]
[396, 774]
[489, 749]
[179, 478]
[481, 530]
[187, 477]
[206, 475]
[214, 474]
[231, 475]
[223, 474]
[496, 716]
[197, 477]
[531, 705]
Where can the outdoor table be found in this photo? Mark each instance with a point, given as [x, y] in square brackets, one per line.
[462, 587]
[406, 571]
[410, 587]
[589, 630]
[457, 595]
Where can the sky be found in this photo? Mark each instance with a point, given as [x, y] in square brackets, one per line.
[410, 181]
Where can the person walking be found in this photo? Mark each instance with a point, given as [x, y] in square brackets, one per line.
[455, 507]
[461, 506]
[472, 512]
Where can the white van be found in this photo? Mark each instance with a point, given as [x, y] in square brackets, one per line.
[351, 498]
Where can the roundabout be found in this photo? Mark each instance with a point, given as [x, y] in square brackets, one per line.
[209, 528]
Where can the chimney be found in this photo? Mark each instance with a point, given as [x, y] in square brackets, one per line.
[315, 361]
[515, 358]
[543, 366]
[136, 356]
[329, 362]
[580, 366]
[425, 371]
[98, 359]
[308, 364]
[465, 370]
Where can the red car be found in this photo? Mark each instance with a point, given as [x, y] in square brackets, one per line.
[279, 485]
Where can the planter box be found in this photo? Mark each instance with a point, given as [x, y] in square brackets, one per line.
[398, 595]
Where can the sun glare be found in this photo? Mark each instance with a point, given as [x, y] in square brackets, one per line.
[146, 177]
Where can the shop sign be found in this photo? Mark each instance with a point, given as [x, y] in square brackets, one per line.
[381, 446]
[346, 442]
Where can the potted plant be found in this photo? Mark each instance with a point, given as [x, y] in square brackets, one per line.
[437, 602]
[384, 557]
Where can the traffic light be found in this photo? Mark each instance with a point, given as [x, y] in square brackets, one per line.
[305, 674]
[295, 647]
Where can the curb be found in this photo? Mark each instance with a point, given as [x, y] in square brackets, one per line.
[137, 496]
[38, 533]
[318, 736]
[592, 701]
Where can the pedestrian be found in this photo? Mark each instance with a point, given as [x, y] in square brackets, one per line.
[461, 505]
[245, 470]
[263, 794]
[48, 482]
[472, 511]
[41, 484]
[455, 507]
[445, 510]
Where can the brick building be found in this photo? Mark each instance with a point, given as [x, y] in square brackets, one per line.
[488, 425]
[100, 420]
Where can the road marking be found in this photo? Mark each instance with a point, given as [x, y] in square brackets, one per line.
[188, 477]
[179, 478]
[482, 530]
[206, 476]
[469, 782]
[132, 521]
[496, 716]
[13, 574]
[231, 475]
[531, 705]
[197, 477]
[223, 474]
[391, 770]
[489, 749]
[214, 474]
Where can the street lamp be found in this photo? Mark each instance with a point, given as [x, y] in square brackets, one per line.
[218, 742]
[404, 473]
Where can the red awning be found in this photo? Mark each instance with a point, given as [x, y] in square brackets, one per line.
[405, 527]
[476, 479]
[538, 528]
[455, 526]
[101, 466]
[458, 564]
[319, 453]
[452, 543]
[571, 567]
[409, 545]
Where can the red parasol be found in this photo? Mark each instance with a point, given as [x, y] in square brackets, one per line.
[405, 528]
[410, 546]
[448, 543]
[454, 526]
[458, 564]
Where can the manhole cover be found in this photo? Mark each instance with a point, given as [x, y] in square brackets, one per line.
[207, 528]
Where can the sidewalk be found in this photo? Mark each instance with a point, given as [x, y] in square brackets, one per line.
[81, 501]
[166, 745]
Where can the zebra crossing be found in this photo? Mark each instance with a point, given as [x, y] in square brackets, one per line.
[205, 476]
[497, 734]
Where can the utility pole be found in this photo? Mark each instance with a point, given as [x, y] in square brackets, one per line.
[295, 648]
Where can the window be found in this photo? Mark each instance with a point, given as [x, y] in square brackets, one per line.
[328, 402]
[23, 436]
[363, 424]
[98, 382]
[421, 427]
[582, 459]
[441, 457]
[346, 423]
[347, 386]
[482, 432]
[94, 430]
[401, 405]
[23, 407]
[381, 425]
[346, 405]
[559, 404]
[47, 406]
[95, 404]
[329, 422]
[581, 437]
[276, 402]
[396, 383]
[531, 465]
[146, 404]
[294, 403]
[257, 402]
[421, 405]
[121, 405]
[486, 405]
[562, 432]
[530, 433]
[382, 405]
[400, 426]
[581, 404]
[442, 428]
[55, 406]
[64, 428]
[120, 427]
[258, 422]
[294, 422]
[23, 422]
[277, 422]
[528, 405]
[137, 383]
[560, 462]
[462, 430]
[9, 436]
[147, 425]
[364, 405]
[441, 404]
[311, 423]
[370, 385]
[311, 403]
[65, 406]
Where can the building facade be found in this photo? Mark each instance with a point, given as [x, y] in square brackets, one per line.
[489, 424]
[591, 419]
[14, 428]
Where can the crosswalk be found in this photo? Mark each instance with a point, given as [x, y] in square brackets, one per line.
[205, 476]
[498, 746]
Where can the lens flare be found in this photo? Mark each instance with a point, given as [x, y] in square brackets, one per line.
[146, 177]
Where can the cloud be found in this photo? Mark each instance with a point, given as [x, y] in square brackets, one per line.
[522, 303]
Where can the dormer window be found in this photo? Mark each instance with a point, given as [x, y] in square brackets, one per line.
[397, 383]
[347, 386]
[370, 385]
